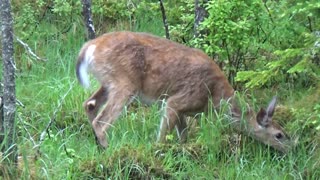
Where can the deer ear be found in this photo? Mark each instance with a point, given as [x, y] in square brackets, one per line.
[262, 118]
[271, 107]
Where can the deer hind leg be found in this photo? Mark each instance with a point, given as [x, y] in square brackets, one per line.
[93, 104]
[117, 98]
[173, 118]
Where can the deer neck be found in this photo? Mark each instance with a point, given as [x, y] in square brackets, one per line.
[240, 117]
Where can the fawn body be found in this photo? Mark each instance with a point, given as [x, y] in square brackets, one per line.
[130, 65]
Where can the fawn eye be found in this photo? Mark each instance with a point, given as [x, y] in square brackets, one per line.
[279, 136]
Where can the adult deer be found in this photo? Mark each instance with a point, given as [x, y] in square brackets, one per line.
[130, 65]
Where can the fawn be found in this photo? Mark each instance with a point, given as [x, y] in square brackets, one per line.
[131, 65]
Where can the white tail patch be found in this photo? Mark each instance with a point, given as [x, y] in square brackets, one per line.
[83, 69]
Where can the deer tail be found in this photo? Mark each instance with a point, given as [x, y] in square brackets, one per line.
[86, 56]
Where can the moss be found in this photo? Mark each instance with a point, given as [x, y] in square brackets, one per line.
[194, 151]
[142, 162]
[283, 115]
[128, 161]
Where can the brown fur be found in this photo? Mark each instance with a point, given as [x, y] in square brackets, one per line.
[130, 65]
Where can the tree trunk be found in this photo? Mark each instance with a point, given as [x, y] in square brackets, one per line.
[86, 12]
[9, 93]
[200, 14]
[1, 117]
[164, 19]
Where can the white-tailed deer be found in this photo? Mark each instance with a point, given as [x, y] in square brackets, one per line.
[130, 65]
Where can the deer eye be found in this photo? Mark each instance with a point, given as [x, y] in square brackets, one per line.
[279, 136]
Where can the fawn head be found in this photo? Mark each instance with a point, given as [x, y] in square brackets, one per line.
[261, 127]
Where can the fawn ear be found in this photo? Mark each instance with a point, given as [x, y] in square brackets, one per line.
[264, 117]
[271, 106]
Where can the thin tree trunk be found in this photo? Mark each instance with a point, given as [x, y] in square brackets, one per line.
[1, 109]
[164, 19]
[86, 12]
[200, 14]
[1, 117]
[9, 93]
[1, 100]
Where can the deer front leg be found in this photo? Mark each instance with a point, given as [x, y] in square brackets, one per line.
[182, 129]
[168, 122]
[93, 104]
[172, 118]
[174, 113]
[117, 99]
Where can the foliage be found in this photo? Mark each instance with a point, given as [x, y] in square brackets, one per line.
[253, 39]
[295, 51]
[64, 13]
[111, 10]
[181, 19]
[147, 17]
[308, 113]
[27, 18]
[233, 33]
[292, 66]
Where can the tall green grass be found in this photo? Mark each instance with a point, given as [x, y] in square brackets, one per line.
[50, 92]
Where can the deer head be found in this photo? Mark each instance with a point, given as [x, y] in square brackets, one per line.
[261, 127]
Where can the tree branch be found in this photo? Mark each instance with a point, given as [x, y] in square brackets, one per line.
[164, 19]
[86, 12]
[24, 127]
[52, 119]
[266, 6]
[29, 50]
[200, 13]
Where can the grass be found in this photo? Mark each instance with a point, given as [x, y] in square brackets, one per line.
[68, 150]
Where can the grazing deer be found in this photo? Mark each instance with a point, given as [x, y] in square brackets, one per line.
[130, 65]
